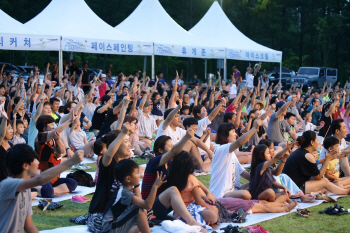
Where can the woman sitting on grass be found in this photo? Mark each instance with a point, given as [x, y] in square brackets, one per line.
[261, 180]
[301, 166]
[181, 176]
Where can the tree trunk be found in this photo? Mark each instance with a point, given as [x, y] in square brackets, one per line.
[104, 62]
[98, 60]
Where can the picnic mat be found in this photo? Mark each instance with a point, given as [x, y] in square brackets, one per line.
[251, 220]
[80, 190]
[90, 160]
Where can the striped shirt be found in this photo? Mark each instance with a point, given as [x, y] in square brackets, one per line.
[147, 125]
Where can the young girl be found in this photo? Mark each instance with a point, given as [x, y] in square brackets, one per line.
[157, 106]
[181, 177]
[184, 112]
[6, 133]
[261, 180]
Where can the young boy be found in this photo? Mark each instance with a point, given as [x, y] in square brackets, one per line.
[15, 195]
[126, 205]
[18, 129]
[26, 130]
[332, 172]
[307, 118]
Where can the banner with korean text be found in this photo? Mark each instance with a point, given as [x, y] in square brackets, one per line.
[106, 46]
[248, 55]
[29, 42]
[188, 51]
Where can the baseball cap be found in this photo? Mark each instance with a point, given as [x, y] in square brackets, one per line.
[279, 105]
[103, 75]
[147, 104]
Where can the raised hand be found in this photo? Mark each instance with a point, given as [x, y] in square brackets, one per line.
[126, 128]
[180, 102]
[159, 180]
[257, 123]
[78, 156]
[190, 133]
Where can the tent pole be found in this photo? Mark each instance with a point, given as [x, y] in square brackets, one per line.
[280, 70]
[153, 63]
[144, 64]
[205, 68]
[60, 61]
[225, 67]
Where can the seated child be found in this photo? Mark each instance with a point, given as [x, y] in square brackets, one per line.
[332, 172]
[184, 113]
[18, 129]
[261, 181]
[181, 176]
[78, 138]
[307, 118]
[126, 207]
[15, 191]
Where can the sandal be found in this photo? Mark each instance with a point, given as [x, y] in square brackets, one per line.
[239, 216]
[54, 206]
[44, 204]
[303, 213]
[231, 229]
[327, 210]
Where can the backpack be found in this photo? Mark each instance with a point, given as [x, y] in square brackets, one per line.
[83, 178]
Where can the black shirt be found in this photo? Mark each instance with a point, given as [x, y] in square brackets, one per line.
[72, 69]
[4, 173]
[256, 79]
[86, 77]
[325, 131]
[98, 118]
[298, 168]
[104, 185]
[106, 126]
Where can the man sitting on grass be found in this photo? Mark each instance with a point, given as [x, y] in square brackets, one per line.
[15, 195]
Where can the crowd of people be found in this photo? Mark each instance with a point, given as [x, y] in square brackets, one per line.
[295, 143]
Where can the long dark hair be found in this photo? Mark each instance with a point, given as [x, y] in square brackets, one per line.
[258, 156]
[181, 167]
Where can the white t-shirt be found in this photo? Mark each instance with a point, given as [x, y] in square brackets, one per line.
[89, 109]
[250, 80]
[77, 138]
[202, 126]
[233, 89]
[342, 146]
[175, 135]
[17, 140]
[308, 126]
[225, 171]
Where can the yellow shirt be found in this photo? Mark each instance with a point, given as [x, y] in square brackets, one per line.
[333, 167]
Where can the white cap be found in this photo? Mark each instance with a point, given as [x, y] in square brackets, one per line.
[103, 75]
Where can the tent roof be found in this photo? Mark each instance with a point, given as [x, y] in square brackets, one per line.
[11, 26]
[152, 23]
[74, 18]
[218, 30]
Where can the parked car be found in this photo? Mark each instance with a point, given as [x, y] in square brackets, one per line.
[286, 79]
[9, 68]
[315, 76]
[28, 69]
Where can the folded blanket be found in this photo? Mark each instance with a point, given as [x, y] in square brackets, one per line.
[178, 226]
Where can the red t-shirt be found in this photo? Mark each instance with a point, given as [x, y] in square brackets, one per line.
[102, 89]
[336, 114]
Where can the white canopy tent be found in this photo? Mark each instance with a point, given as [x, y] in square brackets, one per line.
[218, 30]
[83, 31]
[154, 24]
[16, 36]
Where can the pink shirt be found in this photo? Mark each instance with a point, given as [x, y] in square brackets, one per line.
[346, 120]
[102, 89]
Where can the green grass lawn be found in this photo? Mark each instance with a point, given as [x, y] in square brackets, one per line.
[288, 223]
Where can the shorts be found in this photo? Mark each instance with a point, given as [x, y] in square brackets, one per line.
[159, 210]
[158, 118]
[202, 156]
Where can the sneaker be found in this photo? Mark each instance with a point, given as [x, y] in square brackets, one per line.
[84, 198]
[83, 166]
[78, 199]
[256, 229]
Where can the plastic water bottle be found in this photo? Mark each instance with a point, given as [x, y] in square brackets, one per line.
[152, 145]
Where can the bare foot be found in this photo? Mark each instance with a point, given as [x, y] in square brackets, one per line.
[292, 206]
[195, 223]
[206, 167]
[307, 199]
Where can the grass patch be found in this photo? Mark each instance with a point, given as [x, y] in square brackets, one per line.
[290, 223]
